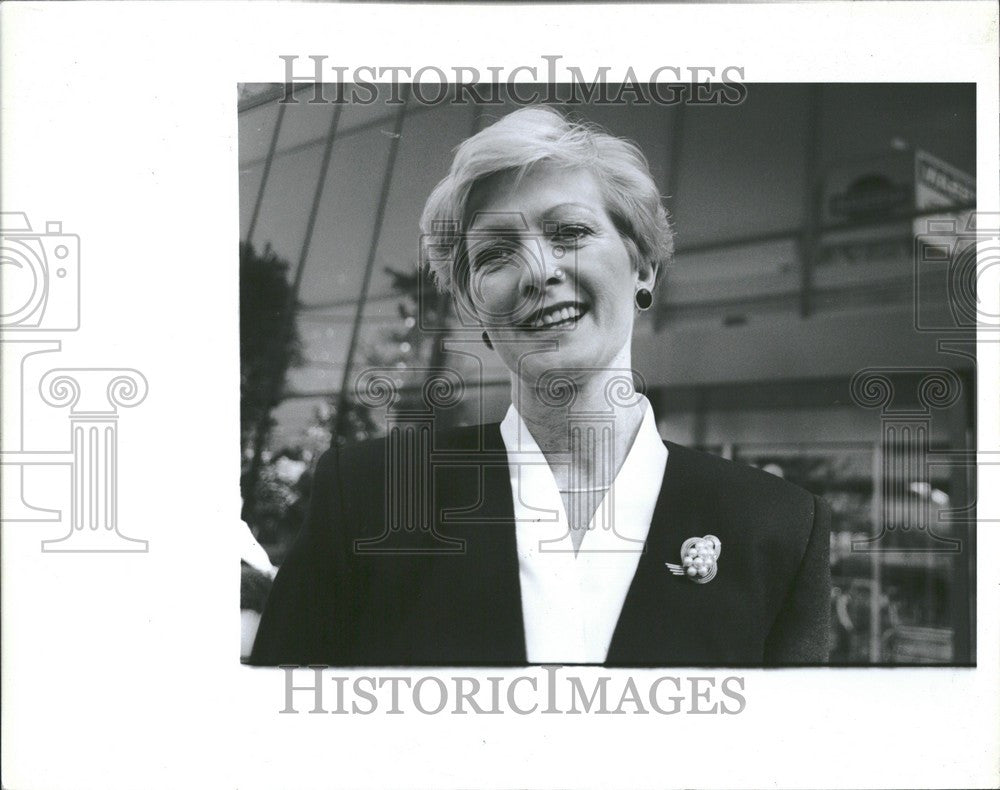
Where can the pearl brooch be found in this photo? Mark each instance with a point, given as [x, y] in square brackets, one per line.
[699, 559]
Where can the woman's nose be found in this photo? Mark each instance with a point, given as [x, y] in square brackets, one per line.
[543, 271]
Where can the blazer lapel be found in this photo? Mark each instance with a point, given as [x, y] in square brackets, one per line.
[649, 631]
[483, 583]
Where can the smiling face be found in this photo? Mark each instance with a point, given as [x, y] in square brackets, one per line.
[549, 275]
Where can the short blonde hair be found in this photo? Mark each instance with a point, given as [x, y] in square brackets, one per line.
[541, 134]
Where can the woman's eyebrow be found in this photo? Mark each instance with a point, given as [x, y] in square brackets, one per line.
[495, 227]
[559, 207]
[507, 223]
[501, 222]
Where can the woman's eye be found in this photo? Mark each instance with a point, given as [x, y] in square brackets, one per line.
[496, 255]
[571, 232]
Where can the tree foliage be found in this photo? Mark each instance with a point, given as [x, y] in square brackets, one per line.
[269, 342]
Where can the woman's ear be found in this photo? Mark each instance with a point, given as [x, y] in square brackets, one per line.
[647, 272]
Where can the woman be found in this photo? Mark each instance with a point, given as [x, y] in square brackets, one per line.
[570, 532]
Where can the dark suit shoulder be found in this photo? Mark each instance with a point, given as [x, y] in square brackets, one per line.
[370, 480]
[765, 515]
[708, 473]
[775, 538]
[371, 452]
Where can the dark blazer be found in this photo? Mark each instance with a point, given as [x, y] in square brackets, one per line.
[354, 593]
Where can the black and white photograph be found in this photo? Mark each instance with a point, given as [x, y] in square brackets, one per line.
[499, 394]
[518, 363]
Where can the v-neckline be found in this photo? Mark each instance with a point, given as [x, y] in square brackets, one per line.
[549, 480]
[647, 609]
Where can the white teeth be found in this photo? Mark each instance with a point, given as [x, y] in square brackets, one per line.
[557, 316]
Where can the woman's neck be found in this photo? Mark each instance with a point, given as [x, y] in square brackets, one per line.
[584, 427]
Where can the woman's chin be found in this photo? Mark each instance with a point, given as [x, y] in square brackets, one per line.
[542, 368]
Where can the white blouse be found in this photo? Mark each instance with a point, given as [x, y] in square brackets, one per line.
[571, 601]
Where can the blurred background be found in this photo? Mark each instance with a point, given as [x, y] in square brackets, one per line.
[818, 320]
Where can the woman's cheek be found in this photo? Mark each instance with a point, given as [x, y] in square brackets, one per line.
[503, 297]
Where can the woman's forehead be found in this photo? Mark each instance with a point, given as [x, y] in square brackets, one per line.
[510, 199]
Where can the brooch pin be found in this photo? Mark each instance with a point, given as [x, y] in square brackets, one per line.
[699, 559]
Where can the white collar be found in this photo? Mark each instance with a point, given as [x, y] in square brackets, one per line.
[571, 602]
[640, 473]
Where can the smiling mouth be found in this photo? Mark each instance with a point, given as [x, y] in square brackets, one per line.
[557, 316]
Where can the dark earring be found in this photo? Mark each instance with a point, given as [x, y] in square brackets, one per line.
[643, 299]
[487, 341]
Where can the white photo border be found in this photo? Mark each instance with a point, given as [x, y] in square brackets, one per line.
[119, 668]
